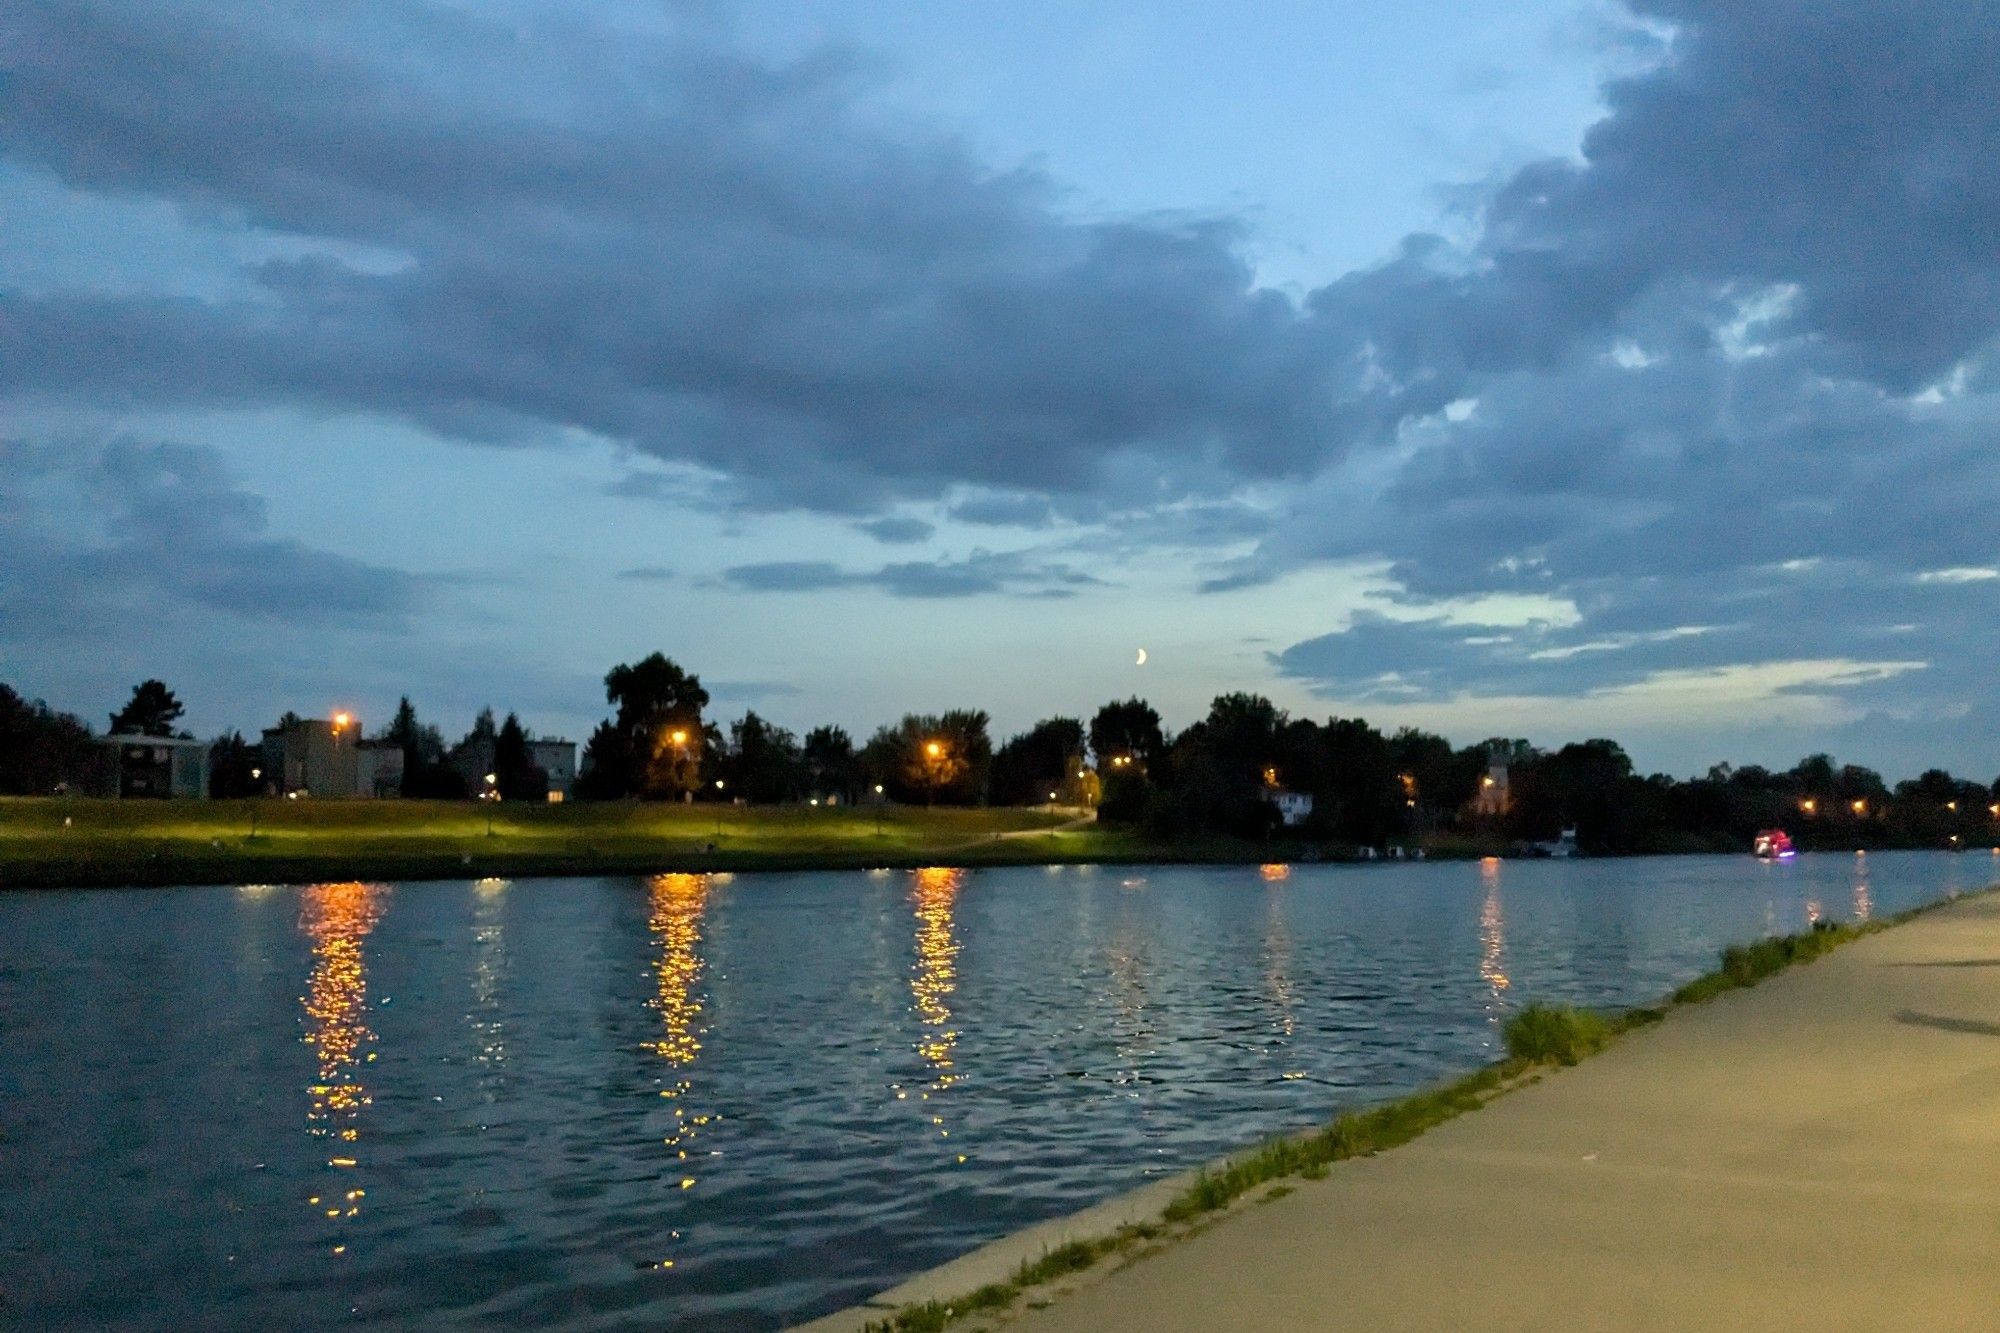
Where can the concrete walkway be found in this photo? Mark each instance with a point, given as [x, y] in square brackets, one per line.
[1822, 1151]
[1819, 1152]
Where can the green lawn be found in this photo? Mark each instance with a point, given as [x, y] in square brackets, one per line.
[47, 842]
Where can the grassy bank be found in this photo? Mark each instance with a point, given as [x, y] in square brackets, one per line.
[1538, 1038]
[54, 842]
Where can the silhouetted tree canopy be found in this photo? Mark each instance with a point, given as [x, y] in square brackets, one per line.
[151, 711]
[662, 741]
[42, 750]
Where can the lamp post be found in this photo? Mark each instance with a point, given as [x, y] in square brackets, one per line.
[256, 776]
[718, 807]
[678, 738]
[934, 753]
[878, 810]
[492, 795]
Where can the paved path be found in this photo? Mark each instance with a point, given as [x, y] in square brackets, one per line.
[1820, 1152]
[1067, 826]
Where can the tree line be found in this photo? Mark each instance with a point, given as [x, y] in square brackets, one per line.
[1220, 777]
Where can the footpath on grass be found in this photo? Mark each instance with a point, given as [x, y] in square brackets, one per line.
[1820, 1150]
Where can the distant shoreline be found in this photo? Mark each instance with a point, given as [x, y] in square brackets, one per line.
[176, 871]
[131, 844]
[52, 843]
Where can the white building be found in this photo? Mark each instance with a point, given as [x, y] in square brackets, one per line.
[1492, 797]
[158, 767]
[310, 757]
[1294, 807]
[557, 758]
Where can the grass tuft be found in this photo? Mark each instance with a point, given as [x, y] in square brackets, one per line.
[1547, 1034]
[1747, 964]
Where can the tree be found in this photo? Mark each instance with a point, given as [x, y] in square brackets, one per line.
[659, 716]
[765, 765]
[1045, 759]
[43, 751]
[931, 764]
[231, 761]
[1359, 785]
[1128, 729]
[1222, 771]
[483, 728]
[605, 771]
[932, 757]
[151, 711]
[830, 763]
[405, 731]
[517, 778]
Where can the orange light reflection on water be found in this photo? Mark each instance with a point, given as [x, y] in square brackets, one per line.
[336, 918]
[1493, 941]
[934, 977]
[677, 903]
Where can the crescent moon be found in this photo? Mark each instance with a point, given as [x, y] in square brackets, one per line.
[1142, 658]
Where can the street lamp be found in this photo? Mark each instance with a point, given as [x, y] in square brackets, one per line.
[256, 774]
[878, 810]
[492, 795]
[1860, 807]
[1809, 805]
[718, 809]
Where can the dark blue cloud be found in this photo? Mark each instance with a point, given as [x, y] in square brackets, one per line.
[898, 530]
[710, 258]
[128, 530]
[982, 573]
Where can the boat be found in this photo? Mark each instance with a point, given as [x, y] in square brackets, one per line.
[1773, 844]
[1565, 846]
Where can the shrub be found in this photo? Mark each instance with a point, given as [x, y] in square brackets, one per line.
[1546, 1034]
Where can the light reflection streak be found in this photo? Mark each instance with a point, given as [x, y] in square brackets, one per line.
[489, 968]
[1493, 941]
[1278, 957]
[678, 902]
[336, 918]
[934, 978]
[1131, 967]
[1864, 897]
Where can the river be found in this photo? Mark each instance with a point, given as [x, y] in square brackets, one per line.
[734, 1102]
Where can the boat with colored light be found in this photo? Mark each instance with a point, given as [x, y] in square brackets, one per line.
[1773, 844]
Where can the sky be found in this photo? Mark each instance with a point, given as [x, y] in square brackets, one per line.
[1550, 370]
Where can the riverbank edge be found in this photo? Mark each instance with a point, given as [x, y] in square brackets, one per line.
[176, 870]
[1026, 1266]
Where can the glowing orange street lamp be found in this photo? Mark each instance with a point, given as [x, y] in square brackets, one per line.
[1861, 807]
[1809, 805]
[933, 749]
